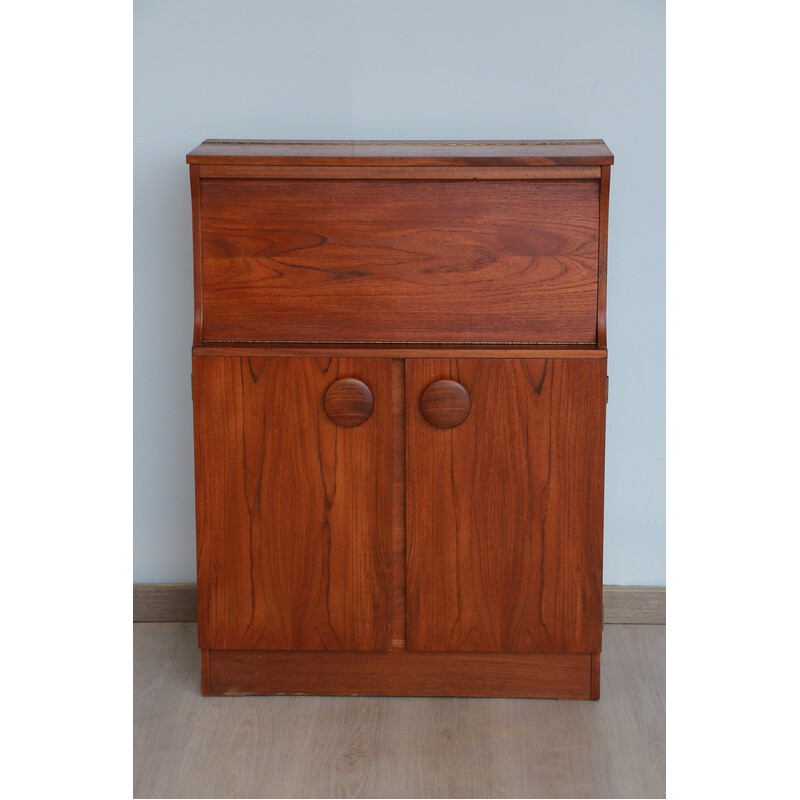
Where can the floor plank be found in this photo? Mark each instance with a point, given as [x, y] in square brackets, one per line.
[189, 746]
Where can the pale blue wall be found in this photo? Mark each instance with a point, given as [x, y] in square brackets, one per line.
[365, 69]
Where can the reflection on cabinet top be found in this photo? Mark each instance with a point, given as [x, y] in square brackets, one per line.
[392, 242]
[420, 153]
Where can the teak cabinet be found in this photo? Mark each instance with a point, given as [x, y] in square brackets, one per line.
[399, 386]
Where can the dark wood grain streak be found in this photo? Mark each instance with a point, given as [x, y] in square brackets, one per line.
[602, 257]
[504, 512]
[401, 673]
[411, 261]
[400, 351]
[398, 504]
[194, 179]
[402, 173]
[293, 512]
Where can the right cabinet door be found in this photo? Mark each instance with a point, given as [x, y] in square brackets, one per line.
[504, 504]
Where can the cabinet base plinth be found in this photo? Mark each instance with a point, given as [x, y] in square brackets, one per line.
[565, 676]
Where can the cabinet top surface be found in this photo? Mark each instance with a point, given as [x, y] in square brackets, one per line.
[593, 152]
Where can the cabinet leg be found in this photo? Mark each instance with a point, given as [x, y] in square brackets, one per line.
[205, 676]
[594, 689]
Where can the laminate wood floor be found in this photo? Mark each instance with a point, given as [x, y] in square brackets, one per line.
[189, 746]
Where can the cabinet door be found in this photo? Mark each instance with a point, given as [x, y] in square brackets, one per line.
[505, 510]
[293, 509]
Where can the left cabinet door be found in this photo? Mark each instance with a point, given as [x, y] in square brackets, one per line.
[293, 509]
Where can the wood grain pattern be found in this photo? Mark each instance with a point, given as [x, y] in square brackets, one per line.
[411, 261]
[395, 153]
[194, 179]
[349, 402]
[505, 512]
[398, 504]
[400, 673]
[293, 511]
[594, 688]
[397, 351]
[177, 602]
[205, 672]
[602, 257]
[346, 544]
[480, 173]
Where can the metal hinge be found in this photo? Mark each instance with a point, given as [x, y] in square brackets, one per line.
[191, 385]
[606, 389]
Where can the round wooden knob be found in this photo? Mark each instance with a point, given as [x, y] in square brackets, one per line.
[445, 404]
[349, 402]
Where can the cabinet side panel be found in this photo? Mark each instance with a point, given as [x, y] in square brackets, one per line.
[602, 257]
[504, 539]
[194, 177]
[293, 511]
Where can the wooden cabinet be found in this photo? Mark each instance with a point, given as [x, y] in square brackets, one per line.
[399, 383]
